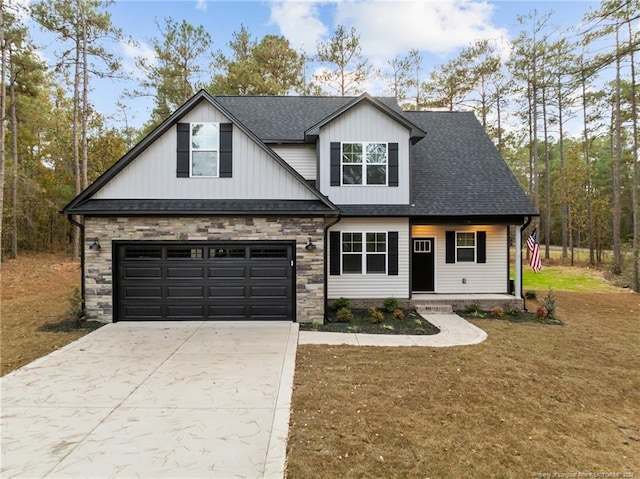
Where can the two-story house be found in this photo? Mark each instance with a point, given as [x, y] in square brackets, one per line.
[259, 207]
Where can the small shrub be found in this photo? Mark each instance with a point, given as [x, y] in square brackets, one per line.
[497, 312]
[390, 304]
[541, 312]
[398, 314]
[472, 308]
[340, 303]
[75, 305]
[530, 295]
[550, 304]
[344, 315]
[375, 316]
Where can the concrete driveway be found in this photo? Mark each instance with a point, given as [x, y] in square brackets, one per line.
[159, 399]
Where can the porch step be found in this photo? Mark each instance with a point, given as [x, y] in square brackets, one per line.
[433, 308]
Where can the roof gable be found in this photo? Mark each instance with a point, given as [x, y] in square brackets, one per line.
[416, 133]
[297, 186]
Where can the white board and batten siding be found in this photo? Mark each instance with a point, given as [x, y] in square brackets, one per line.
[370, 286]
[256, 175]
[303, 158]
[365, 123]
[489, 277]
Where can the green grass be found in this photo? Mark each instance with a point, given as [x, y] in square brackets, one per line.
[563, 278]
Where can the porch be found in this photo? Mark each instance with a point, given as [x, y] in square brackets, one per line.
[447, 302]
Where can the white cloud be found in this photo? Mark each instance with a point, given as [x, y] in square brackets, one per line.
[299, 23]
[134, 50]
[201, 5]
[391, 28]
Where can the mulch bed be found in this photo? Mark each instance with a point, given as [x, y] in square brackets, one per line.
[412, 323]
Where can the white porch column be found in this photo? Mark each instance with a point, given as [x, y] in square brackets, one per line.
[518, 278]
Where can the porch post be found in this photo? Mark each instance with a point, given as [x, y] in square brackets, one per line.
[518, 279]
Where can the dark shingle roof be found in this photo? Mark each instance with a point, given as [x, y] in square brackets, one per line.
[286, 118]
[457, 171]
[124, 207]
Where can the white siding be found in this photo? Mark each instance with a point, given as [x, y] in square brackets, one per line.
[365, 123]
[152, 175]
[489, 277]
[301, 157]
[364, 286]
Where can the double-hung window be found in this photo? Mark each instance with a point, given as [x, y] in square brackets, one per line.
[364, 163]
[364, 253]
[205, 147]
[465, 247]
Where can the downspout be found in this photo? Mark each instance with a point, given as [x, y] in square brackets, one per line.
[82, 287]
[519, 257]
[326, 262]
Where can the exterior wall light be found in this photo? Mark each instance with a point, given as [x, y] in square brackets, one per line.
[310, 245]
[95, 246]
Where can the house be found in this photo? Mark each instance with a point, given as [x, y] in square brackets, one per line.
[241, 207]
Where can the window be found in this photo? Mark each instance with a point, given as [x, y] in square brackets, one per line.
[465, 247]
[205, 141]
[368, 257]
[364, 163]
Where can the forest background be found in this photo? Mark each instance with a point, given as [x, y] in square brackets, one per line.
[560, 104]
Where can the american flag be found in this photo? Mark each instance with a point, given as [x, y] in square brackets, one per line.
[532, 243]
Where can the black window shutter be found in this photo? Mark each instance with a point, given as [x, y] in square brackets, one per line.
[451, 247]
[392, 253]
[393, 164]
[335, 163]
[481, 247]
[226, 147]
[334, 253]
[182, 158]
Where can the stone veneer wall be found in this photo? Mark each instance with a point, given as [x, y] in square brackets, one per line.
[309, 263]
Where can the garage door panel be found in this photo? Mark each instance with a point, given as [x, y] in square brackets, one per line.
[191, 272]
[281, 292]
[233, 292]
[227, 272]
[143, 311]
[143, 292]
[269, 272]
[146, 272]
[195, 292]
[204, 281]
[185, 311]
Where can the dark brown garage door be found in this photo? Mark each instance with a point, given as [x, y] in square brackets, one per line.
[210, 281]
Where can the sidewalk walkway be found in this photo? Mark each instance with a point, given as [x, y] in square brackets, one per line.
[454, 331]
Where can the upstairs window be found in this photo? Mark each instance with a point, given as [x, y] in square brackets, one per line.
[364, 163]
[205, 146]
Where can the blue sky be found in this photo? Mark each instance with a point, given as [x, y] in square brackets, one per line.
[438, 28]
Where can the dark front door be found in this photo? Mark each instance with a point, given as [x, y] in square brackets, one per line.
[205, 281]
[423, 264]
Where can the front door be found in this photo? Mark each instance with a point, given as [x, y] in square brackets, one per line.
[423, 264]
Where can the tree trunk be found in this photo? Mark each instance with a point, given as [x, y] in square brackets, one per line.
[563, 179]
[76, 145]
[635, 280]
[616, 266]
[13, 253]
[547, 174]
[85, 97]
[3, 62]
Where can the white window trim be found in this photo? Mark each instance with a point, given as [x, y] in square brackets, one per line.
[364, 253]
[475, 246]
[364, 164]
[191, 150]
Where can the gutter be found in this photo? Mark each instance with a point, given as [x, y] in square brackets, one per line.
[326, 263]
[82, 286]
[522, 228]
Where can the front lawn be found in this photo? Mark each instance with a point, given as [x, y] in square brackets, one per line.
[532, 399]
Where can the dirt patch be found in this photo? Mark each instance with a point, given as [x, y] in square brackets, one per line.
[34, 290]
[532, 399]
